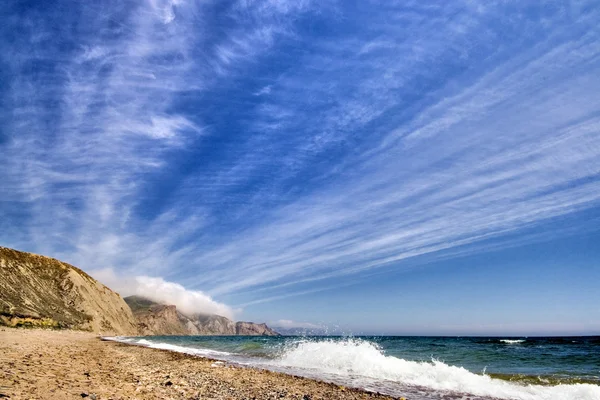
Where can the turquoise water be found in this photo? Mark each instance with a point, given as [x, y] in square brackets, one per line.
[418, 367]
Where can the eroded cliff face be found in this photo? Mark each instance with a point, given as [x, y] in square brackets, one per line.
[39, 291]
[42, 291]
[211, 324]
[252, 329]
[158, 319]
[161, 318]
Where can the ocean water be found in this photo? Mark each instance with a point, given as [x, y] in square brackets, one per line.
[418, 368]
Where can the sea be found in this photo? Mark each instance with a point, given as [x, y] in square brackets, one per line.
[417, 368]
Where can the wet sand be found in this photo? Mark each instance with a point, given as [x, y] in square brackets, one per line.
[41, 364]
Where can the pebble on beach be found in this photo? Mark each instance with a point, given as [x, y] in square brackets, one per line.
[40, 364]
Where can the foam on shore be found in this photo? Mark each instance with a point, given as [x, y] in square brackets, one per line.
[360, 363]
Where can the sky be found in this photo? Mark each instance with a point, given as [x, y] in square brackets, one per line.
[377, 167]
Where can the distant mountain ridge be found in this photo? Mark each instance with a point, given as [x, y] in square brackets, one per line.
[39, 291]
[162, 319]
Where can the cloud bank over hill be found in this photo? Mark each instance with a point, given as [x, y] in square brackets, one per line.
[189, 302]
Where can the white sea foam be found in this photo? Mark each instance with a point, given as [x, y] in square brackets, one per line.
[360, 363]
[119, 339]
[354, 359]
[189, 350]
[512, 341]
[172, 347]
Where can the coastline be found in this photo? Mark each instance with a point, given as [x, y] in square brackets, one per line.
[44, 364]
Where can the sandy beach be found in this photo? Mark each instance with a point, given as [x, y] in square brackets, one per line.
[44, 364]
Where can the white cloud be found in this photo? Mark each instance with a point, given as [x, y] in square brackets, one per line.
[264, 90]
[157, 289]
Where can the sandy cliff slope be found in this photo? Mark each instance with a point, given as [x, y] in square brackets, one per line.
[42, 291]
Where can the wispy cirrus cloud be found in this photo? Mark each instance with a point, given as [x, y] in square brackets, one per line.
[89, 121]
[93, 113]
[486, 154]
[249, 148]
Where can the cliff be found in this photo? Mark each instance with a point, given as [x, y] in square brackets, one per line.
[42, 291]
[39, 291]
[159, 319]
[211, 324]
[252, 329]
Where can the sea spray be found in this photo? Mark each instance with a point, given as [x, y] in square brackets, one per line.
[355, 359]
[378, 363]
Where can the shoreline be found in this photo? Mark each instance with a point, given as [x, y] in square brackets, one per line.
[72, 364]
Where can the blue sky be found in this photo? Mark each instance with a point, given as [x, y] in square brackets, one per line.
[384, 167]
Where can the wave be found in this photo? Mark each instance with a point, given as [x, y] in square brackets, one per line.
[512, 341]
[361, 363]
[171, 347]
[355, 358]
[562, 341]
[546, 380]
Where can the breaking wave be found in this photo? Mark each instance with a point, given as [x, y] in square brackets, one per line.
[512, 341]
[171, 347]
[359, 358]
[361, 363]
